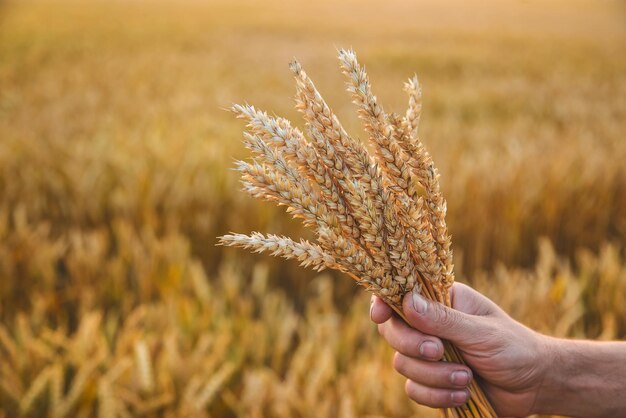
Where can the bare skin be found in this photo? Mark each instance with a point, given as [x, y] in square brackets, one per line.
[522, 372]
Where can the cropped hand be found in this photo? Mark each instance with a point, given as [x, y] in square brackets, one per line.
[507, 357]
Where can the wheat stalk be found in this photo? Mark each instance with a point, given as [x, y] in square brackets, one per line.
[380, 219]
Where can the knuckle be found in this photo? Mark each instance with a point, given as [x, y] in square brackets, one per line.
[408, 345]
[398, 362]
[429, 399]
[446, 317]
[423, 395]
[402, 343]
[438, 375]
[434, 398]
[381, 330]
[410, 390]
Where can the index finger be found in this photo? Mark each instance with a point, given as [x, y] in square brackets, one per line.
[380, 312]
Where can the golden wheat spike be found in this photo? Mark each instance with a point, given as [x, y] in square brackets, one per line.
[402, 242]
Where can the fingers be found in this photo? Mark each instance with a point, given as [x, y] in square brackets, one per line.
[410, 341]
[402, 337]
[435, 397]
[433, 318]
[379, 311]
[433, 374]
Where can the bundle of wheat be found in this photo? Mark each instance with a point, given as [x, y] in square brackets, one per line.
[379, 219]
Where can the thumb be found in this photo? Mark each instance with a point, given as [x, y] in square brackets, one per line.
[438, 320]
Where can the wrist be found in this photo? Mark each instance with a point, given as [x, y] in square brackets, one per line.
[581, 378]
[550, 352]
[566, 379]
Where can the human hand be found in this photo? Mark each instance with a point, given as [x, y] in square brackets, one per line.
[509, 359]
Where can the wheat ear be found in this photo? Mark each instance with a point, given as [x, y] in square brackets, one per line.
[380, 219]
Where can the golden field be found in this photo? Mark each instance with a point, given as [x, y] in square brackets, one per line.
[115, 178]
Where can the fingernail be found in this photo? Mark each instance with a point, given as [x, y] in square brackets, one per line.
[371, 309]
[429, 349]
[460, 397]
[460, 378]
[419, 303]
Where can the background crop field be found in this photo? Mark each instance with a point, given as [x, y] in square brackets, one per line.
[115, 158]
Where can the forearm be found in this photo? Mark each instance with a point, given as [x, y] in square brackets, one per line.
[583, 379]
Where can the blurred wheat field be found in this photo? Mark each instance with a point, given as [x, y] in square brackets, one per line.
[115, 158]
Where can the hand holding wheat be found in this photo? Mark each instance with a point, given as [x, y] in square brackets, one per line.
[380, 219]
[511, 359]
